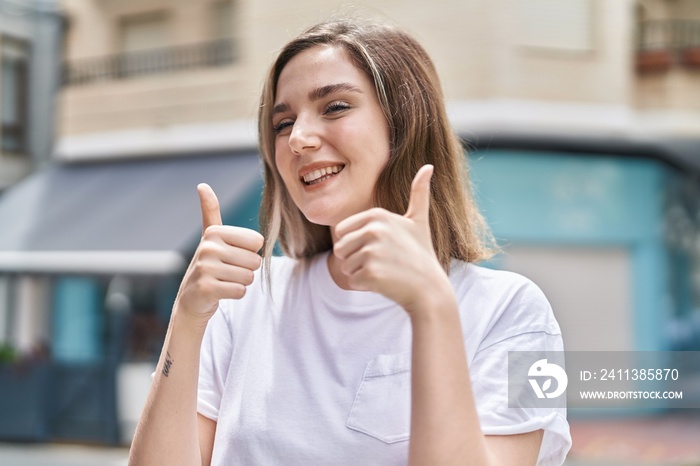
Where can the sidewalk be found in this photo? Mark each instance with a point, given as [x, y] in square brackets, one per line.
[662, 441]
[29, 454]
[670, 440]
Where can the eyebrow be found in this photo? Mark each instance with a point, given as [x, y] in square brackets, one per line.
[324, 91]
[320, 93]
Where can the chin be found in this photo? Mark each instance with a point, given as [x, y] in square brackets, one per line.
[326, 215]
[323, 220]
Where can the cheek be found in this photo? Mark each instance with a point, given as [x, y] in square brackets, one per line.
[373, 135]
[282, 164]
[382, 138]
[362, 140]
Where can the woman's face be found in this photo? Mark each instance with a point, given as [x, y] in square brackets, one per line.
[332, 139]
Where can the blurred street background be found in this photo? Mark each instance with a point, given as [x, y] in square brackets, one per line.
[580, 119]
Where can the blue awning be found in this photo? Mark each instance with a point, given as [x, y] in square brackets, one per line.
[129, 216]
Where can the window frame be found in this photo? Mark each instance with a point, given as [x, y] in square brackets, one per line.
[19, 129]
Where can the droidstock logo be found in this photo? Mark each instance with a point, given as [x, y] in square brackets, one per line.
[542, 370]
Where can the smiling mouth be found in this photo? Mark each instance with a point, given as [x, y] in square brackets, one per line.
[321, 175]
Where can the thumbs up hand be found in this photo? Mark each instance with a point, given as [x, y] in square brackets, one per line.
[393, 254]
[223, 263]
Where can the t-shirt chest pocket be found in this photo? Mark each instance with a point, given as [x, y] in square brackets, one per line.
[382, 406]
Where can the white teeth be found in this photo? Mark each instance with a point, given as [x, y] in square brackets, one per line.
[316, 174]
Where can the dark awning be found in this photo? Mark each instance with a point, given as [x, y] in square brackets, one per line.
[135, 216]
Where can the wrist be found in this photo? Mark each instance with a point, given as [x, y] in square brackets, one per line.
[435, 301]
[188, 321]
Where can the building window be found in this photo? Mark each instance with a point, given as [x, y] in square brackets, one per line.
[144, 32]
[222, 19]
[146, 47]
[556, 24]
[14, 77]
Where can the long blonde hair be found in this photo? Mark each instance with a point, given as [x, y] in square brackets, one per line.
[410, 95]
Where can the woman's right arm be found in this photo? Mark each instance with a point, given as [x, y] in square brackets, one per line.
[170, 431]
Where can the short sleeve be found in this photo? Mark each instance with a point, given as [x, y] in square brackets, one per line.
[526, 324]
[489, 374]
[214, 362]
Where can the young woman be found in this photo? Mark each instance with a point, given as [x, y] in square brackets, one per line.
[375, 340]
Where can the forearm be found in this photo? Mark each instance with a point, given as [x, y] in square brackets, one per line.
[444, 422]
[167, 430]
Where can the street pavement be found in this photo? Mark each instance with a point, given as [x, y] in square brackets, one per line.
[28, 454]
[659, 441]
[669, 440]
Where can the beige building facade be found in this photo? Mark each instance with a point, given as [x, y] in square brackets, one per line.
[514, 65]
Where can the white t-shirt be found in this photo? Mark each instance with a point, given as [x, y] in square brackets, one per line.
[319, 375]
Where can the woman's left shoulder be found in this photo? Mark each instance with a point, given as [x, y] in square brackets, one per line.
[502, 297]
[481, 279]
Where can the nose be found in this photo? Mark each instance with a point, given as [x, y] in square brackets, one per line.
[304, 136]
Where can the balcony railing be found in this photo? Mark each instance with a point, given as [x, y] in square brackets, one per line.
[146, 62]
[663, 44]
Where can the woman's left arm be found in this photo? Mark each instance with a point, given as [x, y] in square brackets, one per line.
[445, 426]
[393, 255]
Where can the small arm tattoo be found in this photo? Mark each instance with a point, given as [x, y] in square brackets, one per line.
[168, 364]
